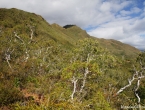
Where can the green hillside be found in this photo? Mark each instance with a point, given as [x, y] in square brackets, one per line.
[49, 67]
[118, 48]
[73, 33]
[20, 21]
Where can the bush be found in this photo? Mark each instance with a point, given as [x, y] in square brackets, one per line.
[9, 94]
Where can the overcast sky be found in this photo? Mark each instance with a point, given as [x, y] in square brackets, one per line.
[123, 20]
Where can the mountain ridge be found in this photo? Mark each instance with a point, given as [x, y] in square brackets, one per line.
[67, 35]
[120, 48]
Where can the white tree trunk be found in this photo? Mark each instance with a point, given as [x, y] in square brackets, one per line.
[86, 73]
[8, 57]
[18, 37]
[84, 79]
[32, 33]
[136, 76]
[74, 81]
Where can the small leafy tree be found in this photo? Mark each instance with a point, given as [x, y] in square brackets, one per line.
[137, 76]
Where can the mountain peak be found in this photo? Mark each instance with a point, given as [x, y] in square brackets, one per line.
[68, 26]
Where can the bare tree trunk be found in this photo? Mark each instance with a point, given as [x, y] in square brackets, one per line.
[84, 79]
[74, 81]
[18, 37]
[27, 56]
[136, 76]
[8, 63]
[32, 31]
[8, 57]
[85, 74]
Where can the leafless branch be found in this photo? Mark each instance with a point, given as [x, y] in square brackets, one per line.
[18, 37]
[8, 56]
[85, 73]
[74, 81]
[138, 75]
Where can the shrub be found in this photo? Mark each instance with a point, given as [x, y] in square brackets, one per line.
[9, 94]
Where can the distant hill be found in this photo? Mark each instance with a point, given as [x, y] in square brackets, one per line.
[21, 22]
[118, 48]
[73, 33]
[68, 26]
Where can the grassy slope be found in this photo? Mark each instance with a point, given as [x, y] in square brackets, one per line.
[118, 48]
[115, 47]
[73, 34]
[17, 20]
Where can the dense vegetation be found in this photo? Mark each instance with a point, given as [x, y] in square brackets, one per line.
[47, 67]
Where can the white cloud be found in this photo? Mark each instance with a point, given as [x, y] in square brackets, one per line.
[125, 30]
[106, 6]
[108, 32]
[134, 10]
[136, 41]
[124, 12]
[80, 12]
[136, 27]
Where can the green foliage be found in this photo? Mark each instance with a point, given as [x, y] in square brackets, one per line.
[9, 93]
[46, 64]
[141, 58]
[141, 92]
